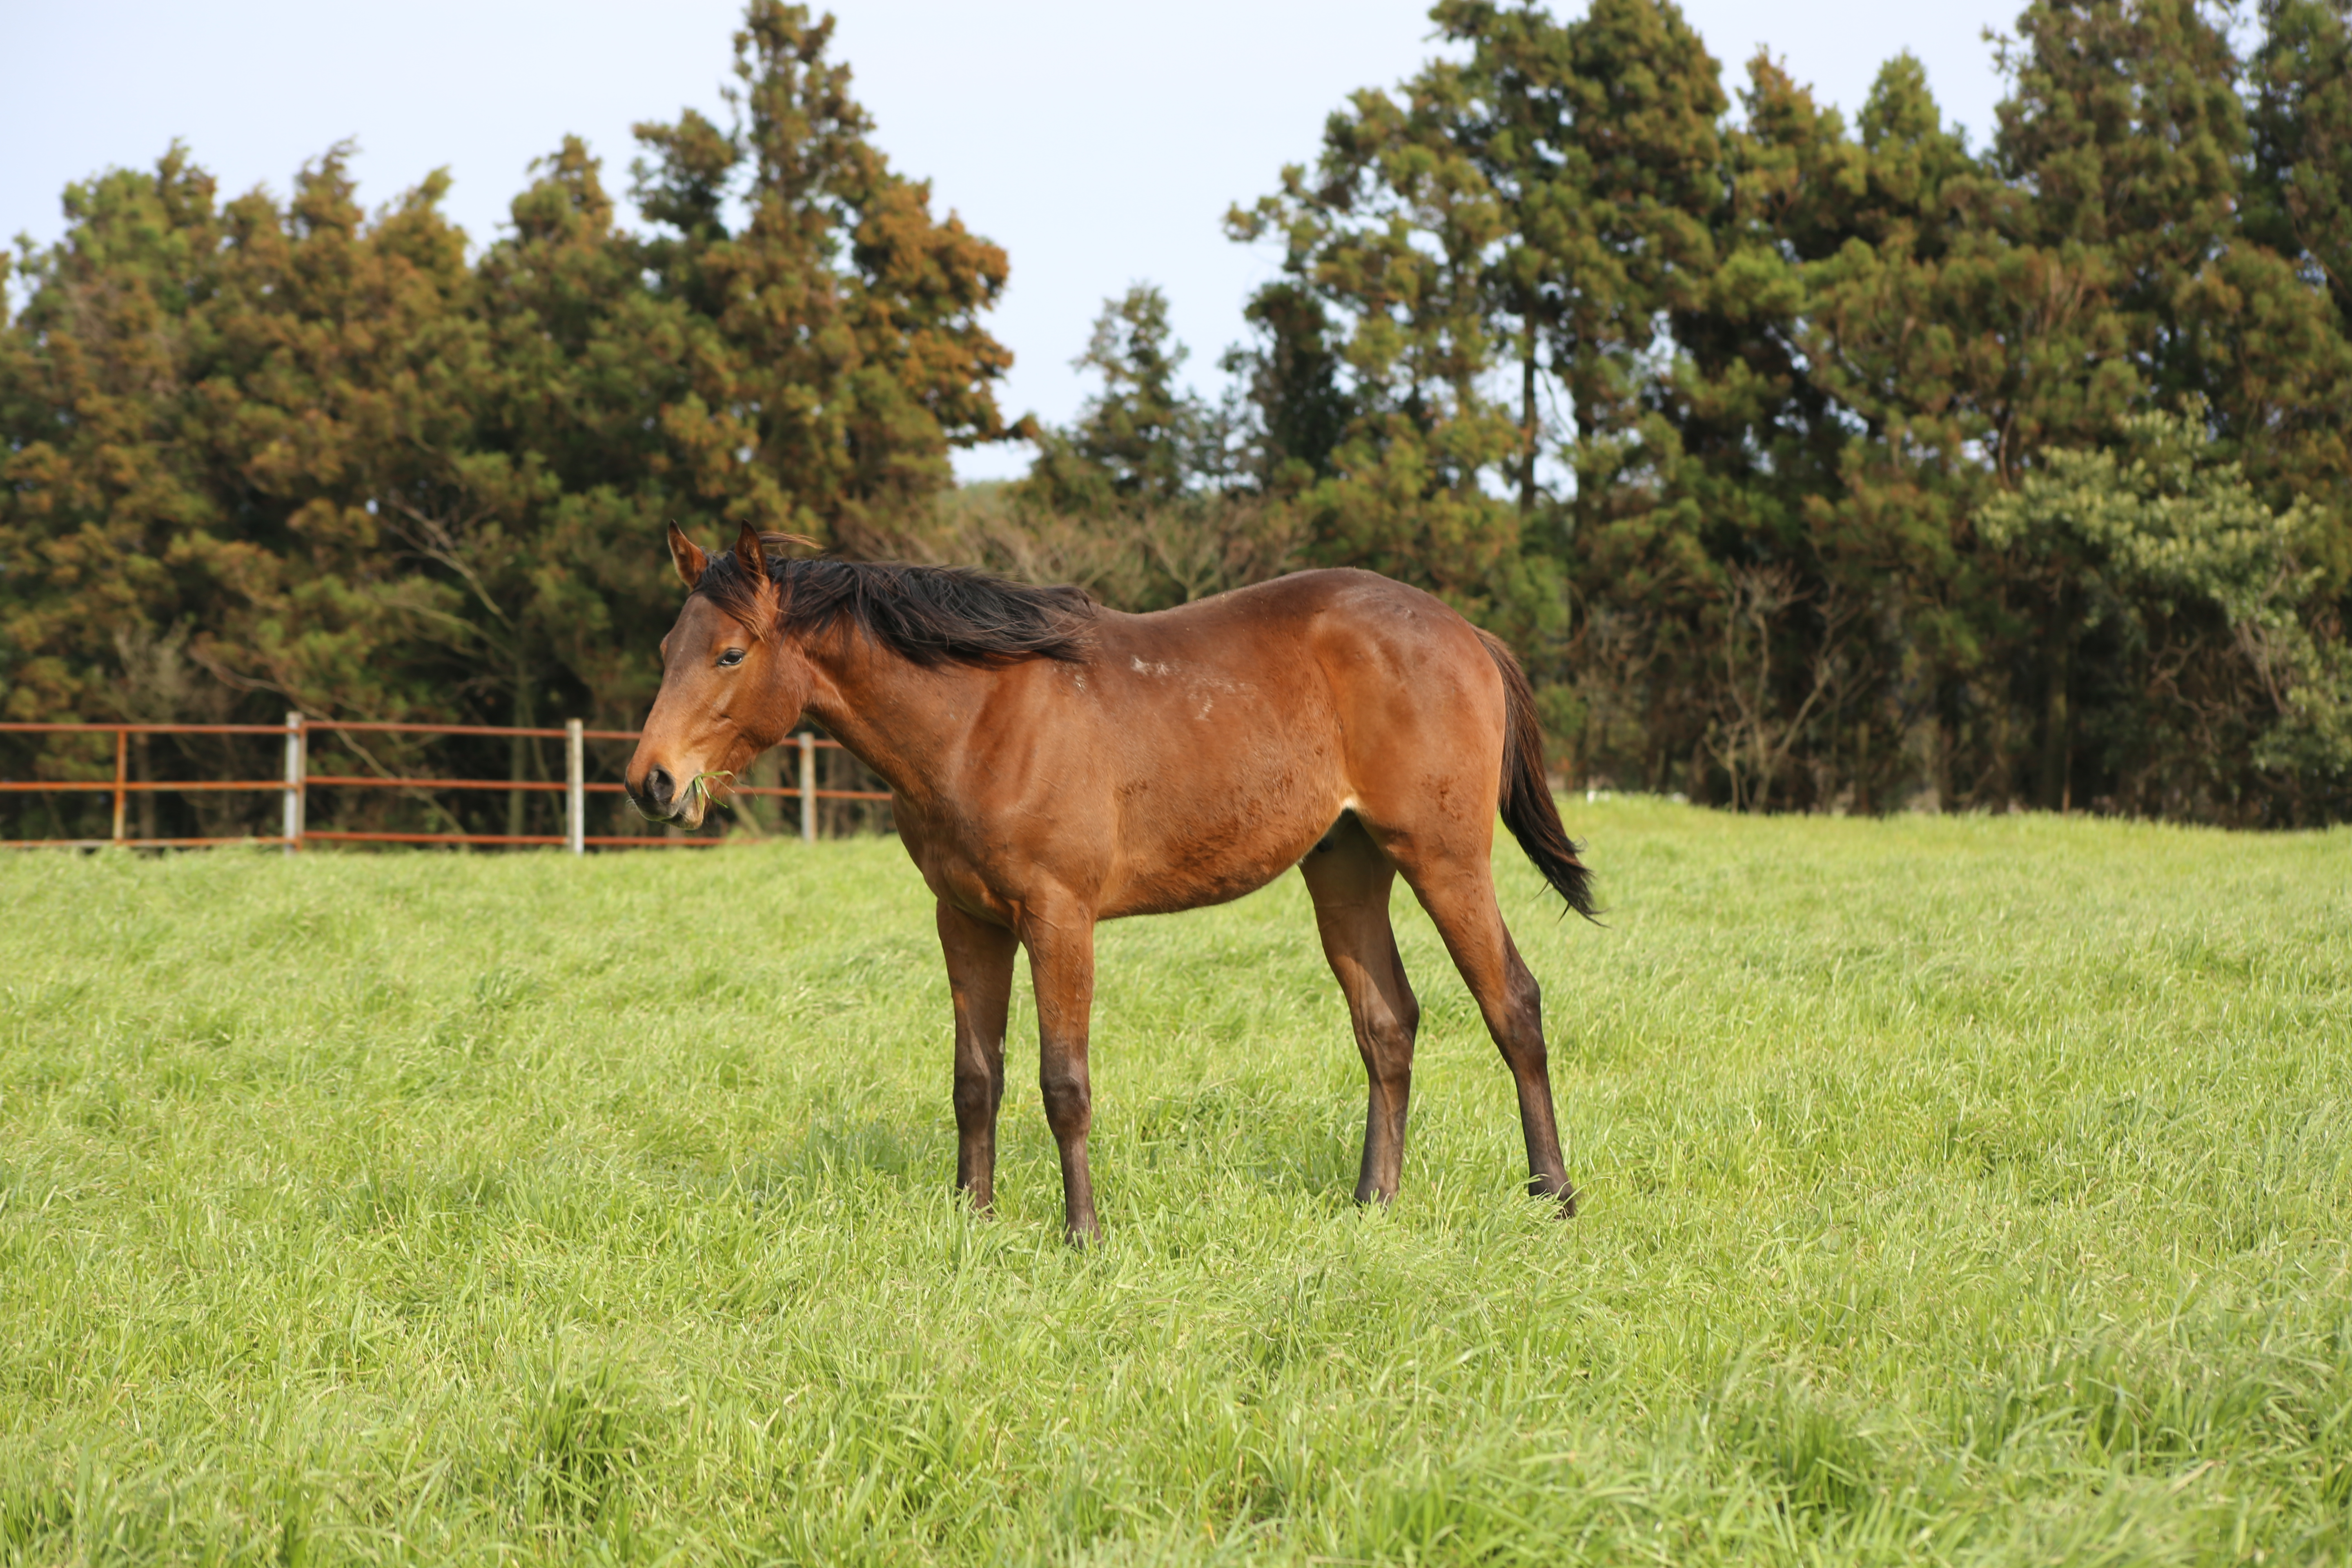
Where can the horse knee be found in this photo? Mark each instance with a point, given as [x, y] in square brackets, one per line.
[1520, 1036]
[1524, 996]
[1527, 1054]
[975, 1097]
[1069, 1105]
[1519, 1029]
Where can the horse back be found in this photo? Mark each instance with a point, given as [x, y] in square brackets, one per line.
[1198, 753]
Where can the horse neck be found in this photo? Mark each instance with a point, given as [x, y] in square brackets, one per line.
[892, 714]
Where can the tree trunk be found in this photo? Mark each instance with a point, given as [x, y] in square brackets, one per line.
[2057, 648]
[518, 751]
[1527, 427]
[1862, 769]
[1948, 739]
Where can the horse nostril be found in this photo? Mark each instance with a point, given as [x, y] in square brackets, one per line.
[659, 787]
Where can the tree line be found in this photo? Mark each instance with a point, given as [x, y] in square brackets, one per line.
[265, 455]
[1807, 465]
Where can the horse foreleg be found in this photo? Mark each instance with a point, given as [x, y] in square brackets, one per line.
[980, 977]
[1349, 879]
[1062, 963]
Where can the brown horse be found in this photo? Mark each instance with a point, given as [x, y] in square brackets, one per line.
[1053, 764]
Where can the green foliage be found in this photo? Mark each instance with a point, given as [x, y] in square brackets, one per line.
[1964, 1188]
[1296, 409]
[1143, 439]
[1146, 500]
[1385, 247]
[2300, 197]
[1768, 372]
[1700, 403]
[202, 401]
[265, 455]
[2298, 206]
[2195, 594]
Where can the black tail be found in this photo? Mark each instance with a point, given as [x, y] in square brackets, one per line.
[1528, 810]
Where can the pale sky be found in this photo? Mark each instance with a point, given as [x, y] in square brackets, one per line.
[1099, 143]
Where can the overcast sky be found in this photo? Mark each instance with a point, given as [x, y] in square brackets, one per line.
[1100, 144]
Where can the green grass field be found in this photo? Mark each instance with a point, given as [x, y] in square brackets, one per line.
[1955, 1190]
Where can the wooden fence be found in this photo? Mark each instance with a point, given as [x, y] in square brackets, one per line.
[298, 782]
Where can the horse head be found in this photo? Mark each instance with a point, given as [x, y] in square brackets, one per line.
[732, 682]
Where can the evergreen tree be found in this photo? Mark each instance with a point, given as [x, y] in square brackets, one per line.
[231, 392]
[2196, 671]
[2300, 198]
[1600, 137]
[1142, 440]
[2298, 203]
[1389, 241]
[1290, 381]
[2116, 263]
[262, 454]
[846, 319]
[1888, 342]
[1510, 114]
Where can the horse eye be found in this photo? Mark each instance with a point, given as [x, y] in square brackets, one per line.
[730, 659]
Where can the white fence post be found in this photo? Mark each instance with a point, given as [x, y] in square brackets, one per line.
[808, 787]
[296, 769]
[575, 790]
[122, 772]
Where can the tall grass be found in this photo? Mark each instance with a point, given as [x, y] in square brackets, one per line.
[1965, 1190]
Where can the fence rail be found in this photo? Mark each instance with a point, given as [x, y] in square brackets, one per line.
[299, 781]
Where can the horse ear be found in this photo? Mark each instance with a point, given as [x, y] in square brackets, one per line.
[748, 555]
[688, 557]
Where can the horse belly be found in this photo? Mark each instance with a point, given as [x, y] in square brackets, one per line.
[1221, 818]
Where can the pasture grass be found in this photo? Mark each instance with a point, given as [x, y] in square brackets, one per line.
[1967, 1189]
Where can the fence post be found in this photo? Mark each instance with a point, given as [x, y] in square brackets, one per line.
[808, 787]
[296, 769]
[121, 764]
[575, 790]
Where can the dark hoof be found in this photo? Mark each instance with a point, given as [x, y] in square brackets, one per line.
[1082, 1236]
[1564, 1194]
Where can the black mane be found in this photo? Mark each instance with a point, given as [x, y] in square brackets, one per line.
[927, 614]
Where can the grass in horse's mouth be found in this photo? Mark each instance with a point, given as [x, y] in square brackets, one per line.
[701, 784]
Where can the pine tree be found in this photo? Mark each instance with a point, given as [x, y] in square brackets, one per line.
[1143, 439]
[2298, 205]
[847, 318]
[230, 397]
[2115, 271]
[2300, 197]
[1630, 222]
[1888, 343]
[1390, 240]
[1293, 402]
[270, 453]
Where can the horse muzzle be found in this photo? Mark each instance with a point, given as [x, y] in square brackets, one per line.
[658, 797]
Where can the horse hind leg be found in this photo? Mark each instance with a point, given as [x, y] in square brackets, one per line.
[1349, 879]
[1460, 898]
